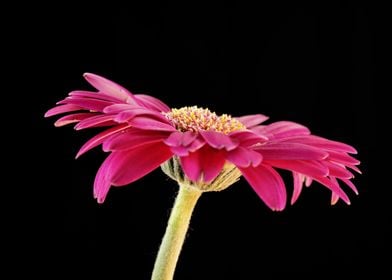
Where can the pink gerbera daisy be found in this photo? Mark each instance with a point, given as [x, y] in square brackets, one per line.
[200, 148]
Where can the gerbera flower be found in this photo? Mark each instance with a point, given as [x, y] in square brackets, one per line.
[197, 147]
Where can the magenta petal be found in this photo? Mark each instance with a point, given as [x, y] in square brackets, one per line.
[283, 129]
[338, 171]
[132, 138]
[248, 138]
[96, 121]
[219, 140]
[290, 151]
[242, 157]
[101, 182]
[93, 95]
[177, 138]
[268, 184]
[62, 109]
[204, 164]
[252, 120]
[333, 185]
[100, 138]
[351, 185]
[130, 114]
[110, 88]
[334, 198]
[150, 124]
[311, 168]
[342, 158]
[73, 118]
[87, 103]
[130, 165]
[323, 143]
[298, 184]
[118, 108]
[152, 103]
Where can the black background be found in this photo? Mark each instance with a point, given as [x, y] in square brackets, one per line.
[311, 64]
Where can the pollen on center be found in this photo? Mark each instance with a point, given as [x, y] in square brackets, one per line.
[194, 119]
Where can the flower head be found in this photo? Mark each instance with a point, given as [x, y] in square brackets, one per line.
[199, 148]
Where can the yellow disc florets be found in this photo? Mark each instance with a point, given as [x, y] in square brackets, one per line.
[195, 119]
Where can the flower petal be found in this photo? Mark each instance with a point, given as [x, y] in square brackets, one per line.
[268, 184]
[87, 103]
[298, 184]
[333, 185]
[204, 164]
[93, 95]
[248, 138]
[72, 118]
[132, 138]
[338, 171]
[281, 129]
[320, 142]
[129, 166]
[130, 114]
[66, 108]
[252, 120]
[110, 88]
[101, 182]
[242, 157]
[180, 139]
[311, 168]
[342, 158]
[151, 103]
[290, 151]
[219, 140]
[351, 185]
[100, 138]
[96, 121]
[150, 124]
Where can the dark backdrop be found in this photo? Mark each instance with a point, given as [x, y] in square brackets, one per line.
[309, 64]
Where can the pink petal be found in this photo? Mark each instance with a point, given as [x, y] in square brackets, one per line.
[204, 164]
[268, 184]
[185, 150]
[338, 171]
[322, 143]
[351, 185]
[110, 88]
[180, 139]
[118, 108]
[101, 182]
[72, 118]
[298, 184]
[219, 140]
[100, 138]
[93, 95]
[308, 181]
[334, 198]
[252, 120]
[96, 121]
[333, 185]
[132, 138]
[342, 158]
[152, 103]
[311, 168]
[283, 129]
[130, 165]
[87, 103]
[248, 138]
[290, 151]
[150, 124]
[130, 114]
[62, 109]
[242, 157]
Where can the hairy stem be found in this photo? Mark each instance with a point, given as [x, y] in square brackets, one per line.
[174, 237]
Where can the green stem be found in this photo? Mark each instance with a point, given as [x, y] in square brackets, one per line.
[174, 237]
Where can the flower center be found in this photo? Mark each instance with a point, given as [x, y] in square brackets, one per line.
[195, 119]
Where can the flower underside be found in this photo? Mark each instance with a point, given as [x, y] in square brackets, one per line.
[194, 119]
